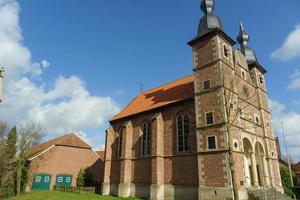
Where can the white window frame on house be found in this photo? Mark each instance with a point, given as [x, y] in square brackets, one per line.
[216, 142]
[213, 118]
[146, 139]
[209, 85]
[60, 179]
[38, 179]
[47, 179]
[68, 179]
[185, 132]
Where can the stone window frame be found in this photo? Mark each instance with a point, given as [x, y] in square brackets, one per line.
[224, 46]
[235, 142]
[146, 150]
[213, 118]
[216, 141]
[243, 74]
[205, 86]
[257, 120]
[246, 92]
[261, 79]
[186, 147]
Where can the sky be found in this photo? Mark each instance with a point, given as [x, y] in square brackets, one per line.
[71, 65]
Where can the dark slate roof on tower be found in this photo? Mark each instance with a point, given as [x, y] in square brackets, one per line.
[243, 38]
[208, 22]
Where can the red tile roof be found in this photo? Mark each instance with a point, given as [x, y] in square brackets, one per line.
[160, 96]
[101, 154]
[296, 168]
[65, 140]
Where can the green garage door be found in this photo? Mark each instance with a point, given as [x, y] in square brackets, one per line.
[64, 180]
[41, 182]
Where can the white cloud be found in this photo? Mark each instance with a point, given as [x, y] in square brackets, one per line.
[67, 107]
[290, 49]
[295, 83]
[291, 121]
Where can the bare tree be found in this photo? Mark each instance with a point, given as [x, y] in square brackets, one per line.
[235, 104]
[30, 135]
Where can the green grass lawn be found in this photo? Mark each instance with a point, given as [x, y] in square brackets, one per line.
[64, 196]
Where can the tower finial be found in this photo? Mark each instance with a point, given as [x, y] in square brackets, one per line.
[208, 22]
[207, 6]
[243, 38]
[241, 25]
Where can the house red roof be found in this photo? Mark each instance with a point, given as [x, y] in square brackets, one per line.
[160, 96]
[65, 140]
[296, 168]
[101, 154]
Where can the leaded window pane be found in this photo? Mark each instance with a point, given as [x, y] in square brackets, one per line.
[182, 126]
[146, 139]
[120, 141]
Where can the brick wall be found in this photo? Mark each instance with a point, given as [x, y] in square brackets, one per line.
[174, 162]
[67, 160]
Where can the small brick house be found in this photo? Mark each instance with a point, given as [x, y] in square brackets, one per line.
[207, 136]
[58, 161]
[296, 169]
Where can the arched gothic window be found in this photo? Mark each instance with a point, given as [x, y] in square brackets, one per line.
[146, 139]
[183, 129]
[120, 141]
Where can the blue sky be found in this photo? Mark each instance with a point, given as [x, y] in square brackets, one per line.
[108, 48]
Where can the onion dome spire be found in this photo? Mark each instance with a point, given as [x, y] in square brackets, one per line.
[243, 38]
[208, 22]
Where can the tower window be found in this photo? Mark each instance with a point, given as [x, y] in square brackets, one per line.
[243, 74]
[211, 142]
[146, 139]
[240, 111]
[246, 91]
[209, 118]
[261, 80]
[206, 85]
[226, 51]
[257, 119]
[182, 129]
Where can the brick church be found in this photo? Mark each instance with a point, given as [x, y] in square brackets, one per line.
[205, 136]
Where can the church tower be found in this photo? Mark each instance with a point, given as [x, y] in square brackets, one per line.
[235, 145]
